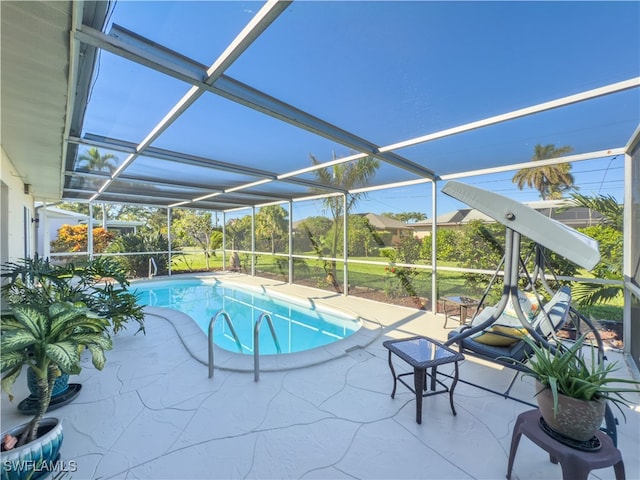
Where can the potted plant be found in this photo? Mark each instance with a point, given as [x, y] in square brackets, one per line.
[101, 285]
[47, 339]
[572, 390]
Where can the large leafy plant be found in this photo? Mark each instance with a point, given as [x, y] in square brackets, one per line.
[48, 339]
[101, 285]
[51, 313]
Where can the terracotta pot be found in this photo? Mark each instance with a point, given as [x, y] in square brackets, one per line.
[575, 418]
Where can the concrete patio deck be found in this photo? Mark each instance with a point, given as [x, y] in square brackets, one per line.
[153, 413]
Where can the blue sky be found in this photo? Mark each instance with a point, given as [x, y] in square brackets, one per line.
[389, 71]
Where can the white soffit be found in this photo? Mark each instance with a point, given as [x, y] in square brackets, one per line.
[35, 61]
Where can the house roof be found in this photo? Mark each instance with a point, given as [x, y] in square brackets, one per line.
[382, 222]
[55, 212]
[556, 209]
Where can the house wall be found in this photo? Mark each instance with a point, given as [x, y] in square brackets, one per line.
[52, 223]
[422, 231]
[17, 232]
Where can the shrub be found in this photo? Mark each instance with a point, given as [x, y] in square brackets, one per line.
[138, 265]
[75, 238]
[446, 243]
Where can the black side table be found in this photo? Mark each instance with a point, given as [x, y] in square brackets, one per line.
[423, 353]
[463, 303]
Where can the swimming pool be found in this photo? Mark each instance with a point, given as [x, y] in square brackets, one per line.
[299, 327]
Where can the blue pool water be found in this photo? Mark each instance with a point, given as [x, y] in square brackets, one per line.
[298, 327]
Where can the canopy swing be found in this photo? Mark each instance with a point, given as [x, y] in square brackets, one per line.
[496, 333]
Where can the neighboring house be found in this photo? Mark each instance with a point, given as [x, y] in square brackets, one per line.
[49, 222]
[575, 217]
[120, 226]
[396, 228]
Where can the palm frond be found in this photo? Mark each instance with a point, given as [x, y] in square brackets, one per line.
[592, 293]
[611, 211]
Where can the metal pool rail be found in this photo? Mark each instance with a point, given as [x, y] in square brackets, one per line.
[227, 318]
[256, 343]
[256, 339]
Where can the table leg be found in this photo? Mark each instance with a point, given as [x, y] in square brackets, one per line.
[393, 372]
[434, 374]
[453, 387]
[463, 314]
[418, 384]
[618, 468]
[446, 315]
[515, 440]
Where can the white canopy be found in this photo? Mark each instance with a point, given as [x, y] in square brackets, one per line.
[566, 241]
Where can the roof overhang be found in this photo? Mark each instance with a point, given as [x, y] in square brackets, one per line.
[38, 106]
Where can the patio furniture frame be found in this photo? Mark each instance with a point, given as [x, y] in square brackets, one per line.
[522, 220]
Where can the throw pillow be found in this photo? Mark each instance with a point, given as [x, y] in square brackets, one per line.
[492, 336]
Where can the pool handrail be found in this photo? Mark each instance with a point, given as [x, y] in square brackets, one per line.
[256, 343]
[212, 323]
[153, 268]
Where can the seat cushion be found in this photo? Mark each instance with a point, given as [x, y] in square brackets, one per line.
[501, 335]
[507, 329]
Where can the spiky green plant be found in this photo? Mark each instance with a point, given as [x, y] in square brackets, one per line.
[566, 371]
[48, 340]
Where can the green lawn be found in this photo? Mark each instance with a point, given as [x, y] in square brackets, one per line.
[194, 261]
[373, 277]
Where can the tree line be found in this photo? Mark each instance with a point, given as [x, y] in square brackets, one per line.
[323, 235]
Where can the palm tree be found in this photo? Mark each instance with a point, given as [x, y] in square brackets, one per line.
[550, 180]
[345, 176]
[94, 161]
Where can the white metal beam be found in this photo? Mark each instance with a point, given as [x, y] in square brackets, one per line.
[539, 163]
[523, 112]
[137, 49]
[74, 58]
[119, 145]
[189, 71]
[265, 16]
